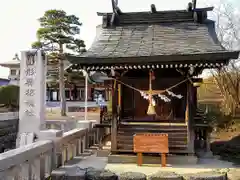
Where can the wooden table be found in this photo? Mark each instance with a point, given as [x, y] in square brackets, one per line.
[151, 143]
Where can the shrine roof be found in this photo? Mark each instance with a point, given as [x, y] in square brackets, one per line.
[162, 37]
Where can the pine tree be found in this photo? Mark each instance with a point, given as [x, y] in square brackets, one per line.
[56, 35]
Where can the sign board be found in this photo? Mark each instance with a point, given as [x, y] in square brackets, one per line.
[151, 143]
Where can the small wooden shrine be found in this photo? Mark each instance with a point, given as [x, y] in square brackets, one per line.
[152, 59]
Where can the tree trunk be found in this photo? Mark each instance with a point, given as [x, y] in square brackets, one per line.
[62, 83]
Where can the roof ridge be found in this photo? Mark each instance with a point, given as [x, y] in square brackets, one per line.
[198, 15]
[161, 11]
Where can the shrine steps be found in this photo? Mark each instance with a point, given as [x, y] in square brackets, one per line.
[152, 121]
[177, 136]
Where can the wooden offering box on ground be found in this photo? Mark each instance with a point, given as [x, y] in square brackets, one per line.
[151, 143]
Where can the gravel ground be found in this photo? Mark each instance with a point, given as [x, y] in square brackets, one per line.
[55, 115]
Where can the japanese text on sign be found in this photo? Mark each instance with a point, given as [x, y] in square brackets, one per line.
[30, 73]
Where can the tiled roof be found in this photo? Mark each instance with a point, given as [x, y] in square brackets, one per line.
[160, 37]
[155, 40]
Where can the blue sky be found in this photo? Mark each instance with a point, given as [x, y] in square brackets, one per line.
[19, 18]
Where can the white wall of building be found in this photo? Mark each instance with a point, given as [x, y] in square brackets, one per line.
[14, 75]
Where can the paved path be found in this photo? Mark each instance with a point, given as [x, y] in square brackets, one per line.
[204, 165]
[91, 160]
[82, 162]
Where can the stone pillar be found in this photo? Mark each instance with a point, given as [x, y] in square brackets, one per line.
[93, 122]
[208, 153]
[88, 125]
[32, 93]
[50, 134]
[84, 124]
[56, 157]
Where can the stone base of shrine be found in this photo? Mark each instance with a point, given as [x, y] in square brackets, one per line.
[171, 159]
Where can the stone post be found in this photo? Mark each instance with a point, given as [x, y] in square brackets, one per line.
[88, 125]
[94, 134]
[53, 134]
[32, 95]
[50, 134]
[208, 153]
[84, 124]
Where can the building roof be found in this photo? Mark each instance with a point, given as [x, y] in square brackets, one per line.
[14, 62]
[160, 37]
[144, 40]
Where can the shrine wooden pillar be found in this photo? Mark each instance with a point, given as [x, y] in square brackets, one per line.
[189, 118]
[119, 103]
[114, 117]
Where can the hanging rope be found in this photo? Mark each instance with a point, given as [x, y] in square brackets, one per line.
[128, 85]
[163, 91]
[190, 80]
[151, 109]
[171, 87]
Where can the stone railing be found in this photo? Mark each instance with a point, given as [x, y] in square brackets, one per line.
[65, 125]
[54, 148]
[26, 162]
[9, 116]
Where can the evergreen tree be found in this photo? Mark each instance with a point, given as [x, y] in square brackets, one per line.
[57, 34]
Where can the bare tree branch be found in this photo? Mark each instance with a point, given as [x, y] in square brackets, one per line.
[228, 31]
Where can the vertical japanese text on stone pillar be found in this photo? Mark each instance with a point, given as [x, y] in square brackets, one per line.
[32, 91]
[32, 95]
[30, 75]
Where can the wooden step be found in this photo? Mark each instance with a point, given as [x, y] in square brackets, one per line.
[130, 120]
[153, 128]
[170, 134]
[130, 141]
[171, 146]
[172, 151]
[177, 137]
[155, 125]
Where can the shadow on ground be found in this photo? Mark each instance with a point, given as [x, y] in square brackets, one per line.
[228, 150]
